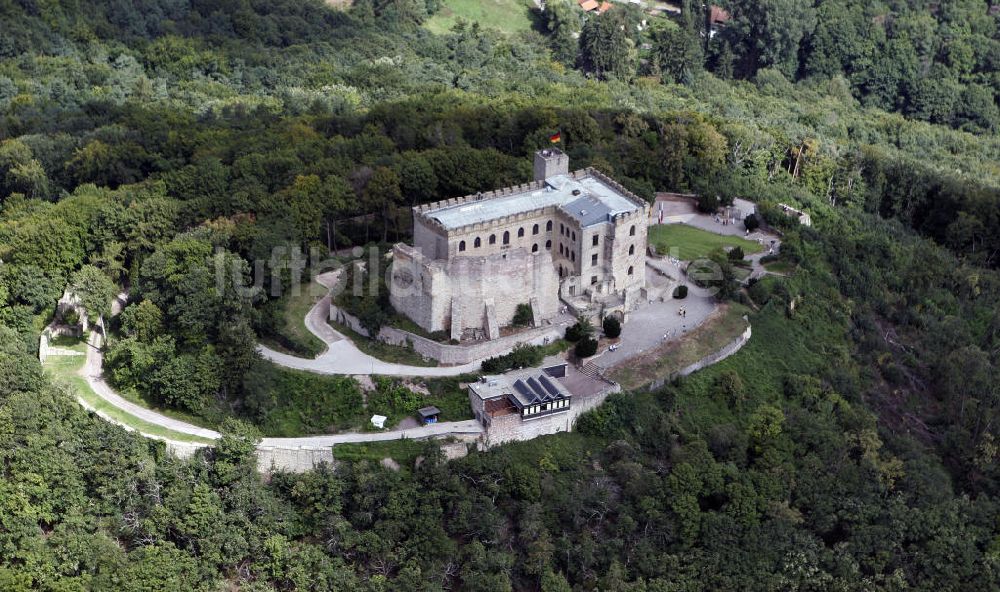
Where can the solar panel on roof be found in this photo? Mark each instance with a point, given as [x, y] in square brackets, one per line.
[525, 390]
[549, 386]
[536, 388]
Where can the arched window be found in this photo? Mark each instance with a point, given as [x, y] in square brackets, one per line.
[534, 229]
[478, 243]
[562, 228]
[631, 249]
[631, 270]
[548, 244]
[548, 226]
[572, 256]
[461, 245]
[534, 248]
[560, 249]
[574, 237]
[493, 239]
[506, 237]
[631, 231]
[520, 232]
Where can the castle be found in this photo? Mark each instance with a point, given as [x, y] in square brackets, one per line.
[577, 237]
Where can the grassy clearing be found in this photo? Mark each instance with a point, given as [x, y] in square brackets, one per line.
[510, 16]
[448, 394]
[289, 333]
[66, 369]
[291, 403]
[694, 243]
[556, 347]
[672, 357]
[387, 353]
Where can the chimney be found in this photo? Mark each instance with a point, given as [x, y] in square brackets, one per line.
[550, 162]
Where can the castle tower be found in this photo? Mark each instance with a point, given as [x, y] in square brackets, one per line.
[550, 162]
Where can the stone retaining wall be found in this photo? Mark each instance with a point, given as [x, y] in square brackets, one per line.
[348, 320]
[296, 459]
[447, 354]
[451, 355]
[729, 349]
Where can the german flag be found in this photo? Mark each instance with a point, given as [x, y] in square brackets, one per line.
[555, 138]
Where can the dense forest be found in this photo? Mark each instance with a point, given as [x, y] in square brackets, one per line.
[852, 445]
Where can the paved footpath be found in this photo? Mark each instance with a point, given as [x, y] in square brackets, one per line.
[657, 322]
[342, 356]
[92, 372]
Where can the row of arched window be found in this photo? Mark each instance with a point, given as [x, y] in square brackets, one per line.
[535, 229]
[478, 242]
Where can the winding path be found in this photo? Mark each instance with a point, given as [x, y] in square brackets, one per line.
[341, 355]
[92, 372]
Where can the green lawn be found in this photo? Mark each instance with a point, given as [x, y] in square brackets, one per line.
[694, 243]
[65, 369]
[510, 16]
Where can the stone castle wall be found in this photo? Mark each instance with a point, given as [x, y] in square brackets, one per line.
[295, 459]
[470, 277]
[624, 241]
[448, 354]
[459, 293]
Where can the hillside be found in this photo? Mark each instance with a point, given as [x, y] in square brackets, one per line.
[151, 146]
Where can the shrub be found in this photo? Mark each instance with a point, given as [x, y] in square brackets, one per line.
[736, 254]
[708, 202]
[612, 327]
[586, 347]
[393, 399]
[523, 356]
[523, 316]
[71, 317]
[581, 329]
[760, 292]
[681, 292]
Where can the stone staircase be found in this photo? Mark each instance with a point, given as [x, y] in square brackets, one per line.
[592, 370]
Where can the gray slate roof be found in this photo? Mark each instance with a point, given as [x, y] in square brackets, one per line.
[559, 191]
[588, 210]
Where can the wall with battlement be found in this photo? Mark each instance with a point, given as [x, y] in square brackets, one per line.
[627, 251]
[422, 212]
[473, 277]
